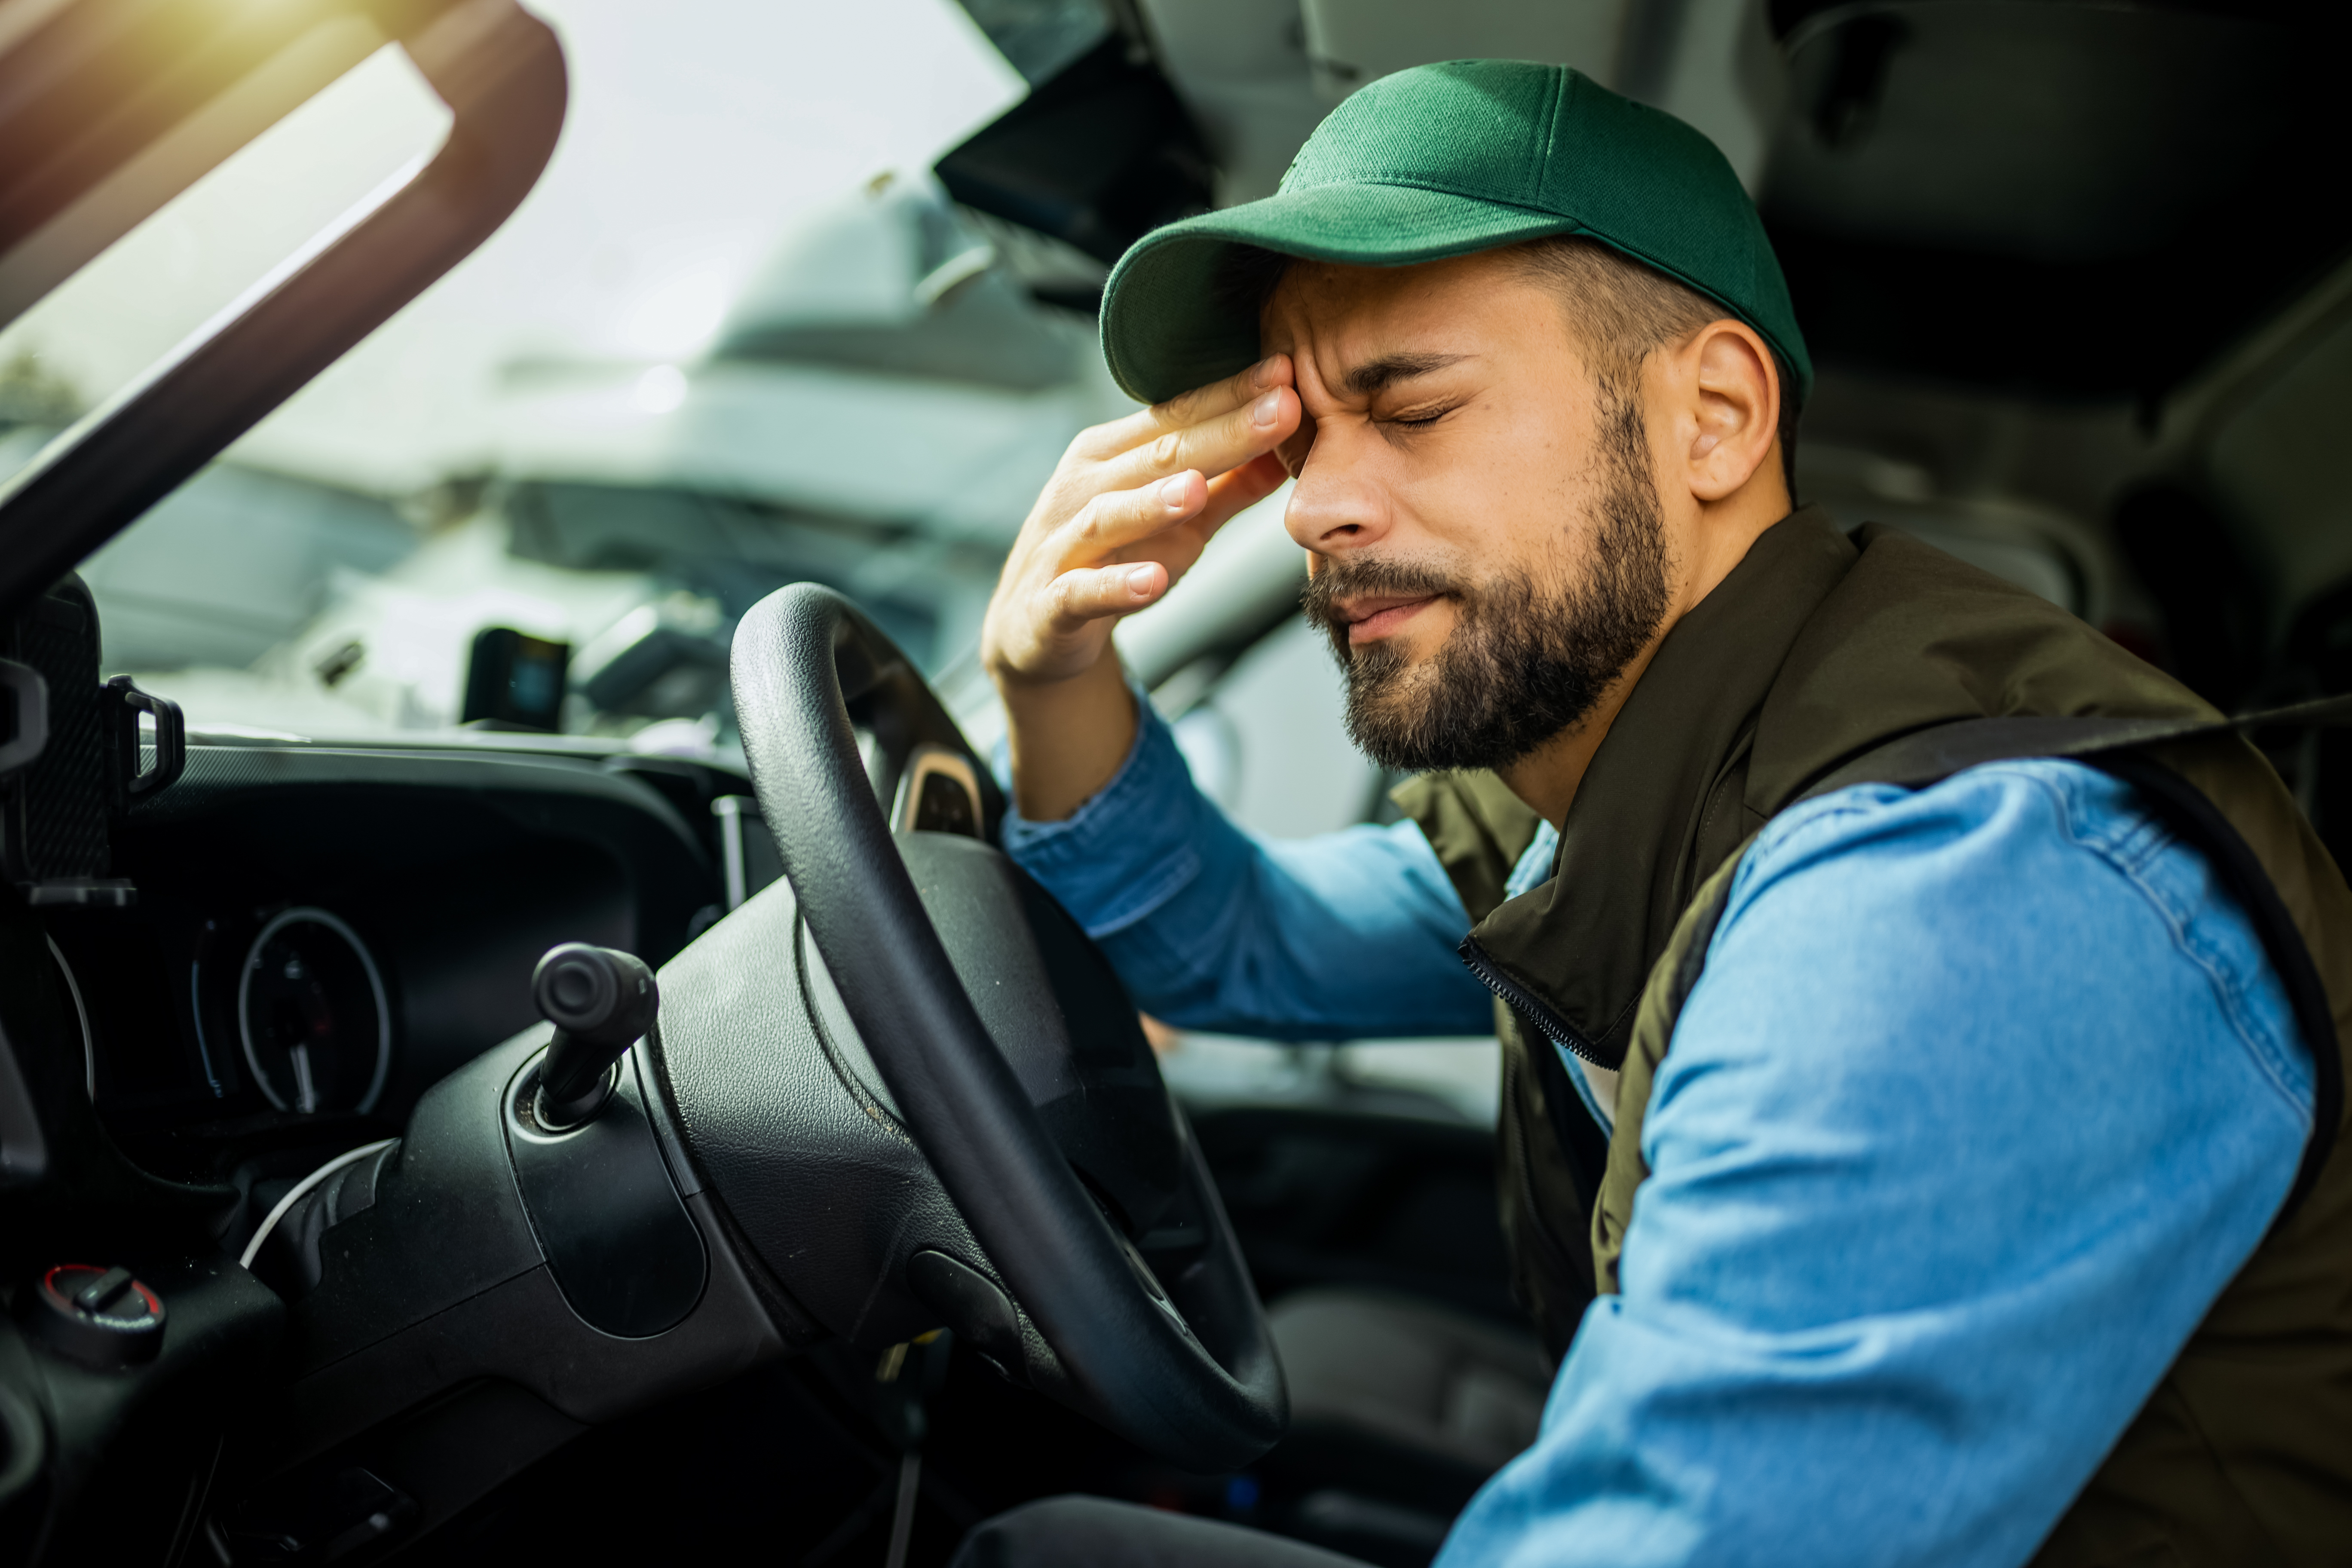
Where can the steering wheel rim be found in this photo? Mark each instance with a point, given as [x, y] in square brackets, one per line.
[801, 655]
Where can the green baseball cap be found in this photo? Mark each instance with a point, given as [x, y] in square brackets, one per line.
[1443, 160]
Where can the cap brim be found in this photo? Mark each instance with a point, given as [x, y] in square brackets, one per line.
[1167, 324]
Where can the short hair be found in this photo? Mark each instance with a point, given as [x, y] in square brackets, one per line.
[1622, 309]
[1625, 310]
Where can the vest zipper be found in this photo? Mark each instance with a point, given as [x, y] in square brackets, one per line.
[1526, 1003]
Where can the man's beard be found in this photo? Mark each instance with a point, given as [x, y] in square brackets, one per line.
[1530, 655]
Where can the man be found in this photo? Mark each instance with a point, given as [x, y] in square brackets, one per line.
[1945, 1159]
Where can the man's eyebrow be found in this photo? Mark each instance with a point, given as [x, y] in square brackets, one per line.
[1378, 375]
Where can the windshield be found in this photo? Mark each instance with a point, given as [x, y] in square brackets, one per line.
[737, 337]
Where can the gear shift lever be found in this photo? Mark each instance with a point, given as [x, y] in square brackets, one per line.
[601, 1002]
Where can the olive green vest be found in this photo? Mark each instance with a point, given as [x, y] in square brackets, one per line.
[1813, 654]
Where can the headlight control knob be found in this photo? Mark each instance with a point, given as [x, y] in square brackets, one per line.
[601, 1001]
[101, 1318]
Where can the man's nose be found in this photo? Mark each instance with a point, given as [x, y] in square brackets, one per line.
[1336, 505]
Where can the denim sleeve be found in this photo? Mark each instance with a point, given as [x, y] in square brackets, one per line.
[1984, 1095]
[1347, 935]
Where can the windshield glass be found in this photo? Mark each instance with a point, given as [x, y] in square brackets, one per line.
[737, 337]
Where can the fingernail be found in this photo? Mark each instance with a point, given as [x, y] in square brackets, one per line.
[1139, 579]
[1266, 409]
[1260, 371]
[1173, 493]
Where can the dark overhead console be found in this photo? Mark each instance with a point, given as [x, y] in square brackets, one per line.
[2067, 199]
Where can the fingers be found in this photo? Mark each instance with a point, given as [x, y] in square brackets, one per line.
[1091, 593]
[1186, 409]
[1213, 445]
[1233, 492]
[1205, 402]
[1120, 517]
[1238, 489]
[1136, 487]
[1113, 522]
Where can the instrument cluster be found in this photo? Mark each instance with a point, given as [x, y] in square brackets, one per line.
[230, 1020]
[306, 956]
[312, 1016]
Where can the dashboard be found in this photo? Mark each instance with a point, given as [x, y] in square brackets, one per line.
[322, 933]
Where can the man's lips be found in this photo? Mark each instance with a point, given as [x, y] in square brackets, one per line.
[1375, 617]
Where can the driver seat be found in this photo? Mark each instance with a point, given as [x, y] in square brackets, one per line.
[1400, 1409]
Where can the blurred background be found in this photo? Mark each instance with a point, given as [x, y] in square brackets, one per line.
[808, 292]
[736, 337]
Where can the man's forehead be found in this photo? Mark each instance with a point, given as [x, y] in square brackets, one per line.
[1369, 328]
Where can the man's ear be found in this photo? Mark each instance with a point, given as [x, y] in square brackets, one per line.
[1730, 404]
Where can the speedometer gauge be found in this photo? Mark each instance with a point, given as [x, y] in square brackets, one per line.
[310, 1006]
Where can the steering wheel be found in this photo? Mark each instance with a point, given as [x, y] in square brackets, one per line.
[1011, 1057]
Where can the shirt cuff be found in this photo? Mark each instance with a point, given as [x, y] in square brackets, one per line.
[1131, 848]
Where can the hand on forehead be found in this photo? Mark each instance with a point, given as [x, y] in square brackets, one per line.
[1356, 334]
[1431, 369]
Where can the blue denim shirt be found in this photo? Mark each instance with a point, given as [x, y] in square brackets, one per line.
[1985, 1094]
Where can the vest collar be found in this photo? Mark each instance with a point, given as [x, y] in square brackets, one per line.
[1576, 950]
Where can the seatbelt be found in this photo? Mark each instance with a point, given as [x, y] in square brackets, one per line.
[1926, 756]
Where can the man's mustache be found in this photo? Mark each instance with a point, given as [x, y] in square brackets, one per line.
[1362, 576]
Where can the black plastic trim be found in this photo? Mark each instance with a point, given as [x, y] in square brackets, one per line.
[624, 1250]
